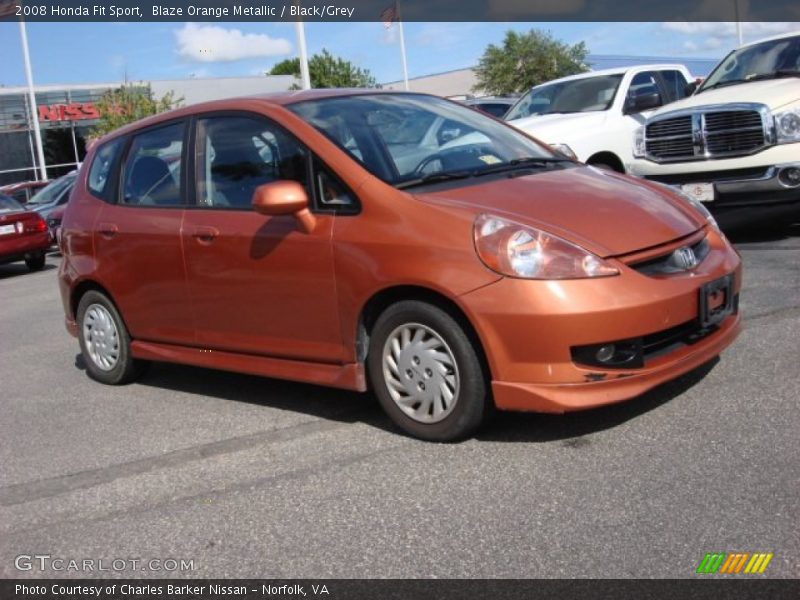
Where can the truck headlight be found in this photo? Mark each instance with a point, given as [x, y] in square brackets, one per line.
[787, 126]
[639, 149]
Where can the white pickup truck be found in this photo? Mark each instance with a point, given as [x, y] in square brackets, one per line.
[735, 143]
[593, 116]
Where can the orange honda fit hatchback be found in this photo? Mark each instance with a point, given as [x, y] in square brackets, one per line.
[388, 241]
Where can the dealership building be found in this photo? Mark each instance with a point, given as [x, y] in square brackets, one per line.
[68, 112]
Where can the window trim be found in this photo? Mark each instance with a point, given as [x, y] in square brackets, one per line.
[126, 155]
[315, 205]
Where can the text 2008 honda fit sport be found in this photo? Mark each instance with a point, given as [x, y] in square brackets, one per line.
[387, 241]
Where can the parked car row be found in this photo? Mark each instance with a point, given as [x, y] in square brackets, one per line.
[730, 142]
[392, 240]
[411, 245]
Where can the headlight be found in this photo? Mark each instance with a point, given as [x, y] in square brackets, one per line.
[639, 149]
[565, 150]
[787, 126]
[517, 250]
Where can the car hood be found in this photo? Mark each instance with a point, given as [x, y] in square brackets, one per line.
[554, 129]
[606, 213]
[775, 93]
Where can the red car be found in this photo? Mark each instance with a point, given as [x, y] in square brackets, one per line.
[23, 192]
[23, 235]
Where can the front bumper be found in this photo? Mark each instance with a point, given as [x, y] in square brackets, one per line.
[743, 182]
[529, 327]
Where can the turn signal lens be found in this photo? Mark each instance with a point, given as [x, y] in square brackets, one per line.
[517, 250]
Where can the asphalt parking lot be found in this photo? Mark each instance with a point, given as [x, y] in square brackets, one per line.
[250, 477]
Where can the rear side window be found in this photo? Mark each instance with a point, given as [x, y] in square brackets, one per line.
[100, 173]
[152, 175]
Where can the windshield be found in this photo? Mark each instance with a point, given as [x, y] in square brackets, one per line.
[8, 204]
[761, 61]
[402, 138]
[588, 94]
[52, 192]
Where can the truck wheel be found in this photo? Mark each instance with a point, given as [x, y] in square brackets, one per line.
[426, 373]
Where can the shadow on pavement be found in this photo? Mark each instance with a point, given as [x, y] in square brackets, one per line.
[764, 233]
[353, 407]
[19, 269]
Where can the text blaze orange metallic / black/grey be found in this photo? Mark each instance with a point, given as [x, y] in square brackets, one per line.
[388, 241]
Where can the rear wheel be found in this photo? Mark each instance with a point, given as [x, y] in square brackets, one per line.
[426, 373]
[35, 262]
[105, 342]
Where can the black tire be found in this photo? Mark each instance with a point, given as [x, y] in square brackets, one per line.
[125, 369]
[35, 262]
[471, 402]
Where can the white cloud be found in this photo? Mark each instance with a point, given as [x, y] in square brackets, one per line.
[728, 28]
[211, 43]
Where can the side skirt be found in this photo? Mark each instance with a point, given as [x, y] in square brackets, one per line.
[349, 377]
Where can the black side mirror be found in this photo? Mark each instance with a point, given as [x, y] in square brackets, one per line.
[642, 101]
[690, 88]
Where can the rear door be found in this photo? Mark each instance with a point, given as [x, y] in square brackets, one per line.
[137, 237]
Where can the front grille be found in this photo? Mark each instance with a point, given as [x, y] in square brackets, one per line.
[711, 133]
[665, 264]
[732, 119]
[670, 127]
[739, 142]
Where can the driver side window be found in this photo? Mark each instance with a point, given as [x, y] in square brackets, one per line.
[235, 155]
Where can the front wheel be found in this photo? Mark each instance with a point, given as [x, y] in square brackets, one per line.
[105, 342]
[426, 373]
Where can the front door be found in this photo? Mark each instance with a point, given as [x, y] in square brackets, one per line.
[258, 285]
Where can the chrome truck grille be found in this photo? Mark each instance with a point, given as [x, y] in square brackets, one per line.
[719, 131]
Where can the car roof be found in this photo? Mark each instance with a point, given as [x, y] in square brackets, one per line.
[616, 71]
[274, 98]
[491, 99]
[780, 36]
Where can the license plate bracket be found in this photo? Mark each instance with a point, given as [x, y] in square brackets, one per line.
[716, 301]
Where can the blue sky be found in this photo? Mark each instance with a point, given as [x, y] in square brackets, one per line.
[94, 52]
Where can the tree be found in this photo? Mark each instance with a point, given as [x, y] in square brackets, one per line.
[129, 103]
[525, 60]
[327, 71]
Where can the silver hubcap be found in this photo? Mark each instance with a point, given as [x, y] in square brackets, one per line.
[101, 337]
[420, 372]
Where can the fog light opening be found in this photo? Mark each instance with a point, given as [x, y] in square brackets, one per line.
[606, 353]
[790, 176]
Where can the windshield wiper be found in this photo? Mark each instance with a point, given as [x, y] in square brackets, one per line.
[763, 76]
[521, 163]
[434, 178]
